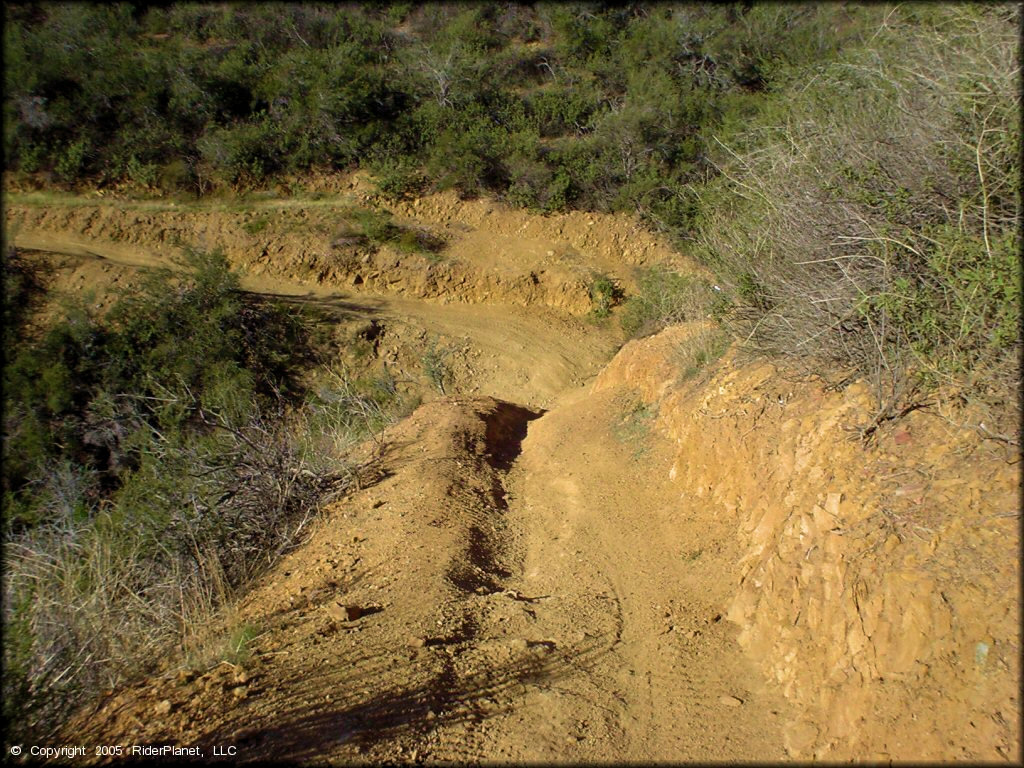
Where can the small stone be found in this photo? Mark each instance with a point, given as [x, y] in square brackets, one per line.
[901, 438]
[730, 701]
[832, 502]
[163, 708]
[517, 644]
[240, 692]
[417, 642]
[341, 612]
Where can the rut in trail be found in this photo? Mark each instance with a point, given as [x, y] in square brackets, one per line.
[522, 598]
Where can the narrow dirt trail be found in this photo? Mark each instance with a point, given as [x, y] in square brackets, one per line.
[608, 556]
[520, 582]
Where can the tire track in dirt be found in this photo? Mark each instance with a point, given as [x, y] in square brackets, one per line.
[600, 533]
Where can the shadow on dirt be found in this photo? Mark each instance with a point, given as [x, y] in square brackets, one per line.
[507, 425]
[335, 305]
[346, 705]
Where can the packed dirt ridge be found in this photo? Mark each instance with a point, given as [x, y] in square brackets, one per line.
[577, 555]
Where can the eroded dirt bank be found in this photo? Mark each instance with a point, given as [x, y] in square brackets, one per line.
[487, 252]
[879, 584]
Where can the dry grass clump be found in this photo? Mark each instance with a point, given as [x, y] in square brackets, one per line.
[94, 596]
[870, 221]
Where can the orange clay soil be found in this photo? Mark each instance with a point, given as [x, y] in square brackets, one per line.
[564, 560]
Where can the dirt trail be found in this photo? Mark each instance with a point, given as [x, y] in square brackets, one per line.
[482, 252]
[520, 599]
[536, 573]
[529, 355]
[609, 551]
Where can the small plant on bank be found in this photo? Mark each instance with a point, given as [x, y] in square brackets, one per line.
[604, 294]
[634, 427]
[376, 227]
[667, 298]
[398, 178]
[256, 224]
[436, 367]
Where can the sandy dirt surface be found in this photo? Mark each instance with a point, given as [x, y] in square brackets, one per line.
[516, 587]
[552, 565]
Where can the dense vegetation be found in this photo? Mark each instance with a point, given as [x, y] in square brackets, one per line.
[155, 459]
[868, 220]
[850, 174]
[551, 105]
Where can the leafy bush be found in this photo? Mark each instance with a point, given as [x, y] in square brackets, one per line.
[397, 178]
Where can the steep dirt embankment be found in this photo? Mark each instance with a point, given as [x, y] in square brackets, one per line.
[879, 583]
[491, 253]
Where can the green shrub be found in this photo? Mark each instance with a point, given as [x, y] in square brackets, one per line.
[150, 470]
[245, 95]
[666, 298]
[398, 178]
[256, 224]
[376, 227]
